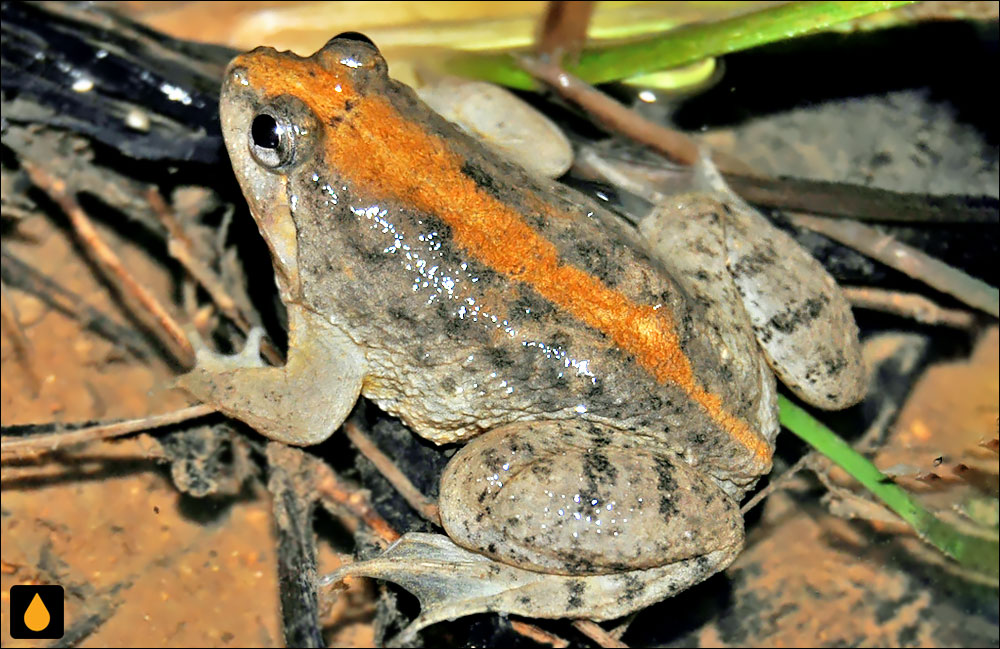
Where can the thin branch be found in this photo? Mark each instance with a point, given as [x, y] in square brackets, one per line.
[167, 330]
[335, 494]
[22, 345]
[846, 200]
[596, 632]
[181, 248]
[291, 484]
[618, 118]
[564, 29]
[908, 305]
[915, 263]
[16, 447]
[391, 472]
[20, 275]
[778, 483]
[536, 634]
[862, 203]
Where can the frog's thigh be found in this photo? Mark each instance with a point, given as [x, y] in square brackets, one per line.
[303, 402]
[575, 498]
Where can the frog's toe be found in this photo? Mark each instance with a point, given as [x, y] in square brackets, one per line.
[211, 361]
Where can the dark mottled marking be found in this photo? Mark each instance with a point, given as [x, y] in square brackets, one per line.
[576, 589]
[348, 106]
[632, 589]
[483, 180]
[398, 314]
[491, 459]
[753, 264]
[601, 436]
[763, 334]
[880, 159]
[599, 470]
[499, 357]
[667, 486]
[791, 319]
[834, 365]
[580, 566]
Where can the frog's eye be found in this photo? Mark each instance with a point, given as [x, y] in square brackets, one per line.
[272, 141]
[355, 36]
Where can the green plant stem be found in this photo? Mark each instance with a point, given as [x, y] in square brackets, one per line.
[979, 553]
[681, 46]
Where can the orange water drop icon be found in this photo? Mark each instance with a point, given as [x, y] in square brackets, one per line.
[36, 617]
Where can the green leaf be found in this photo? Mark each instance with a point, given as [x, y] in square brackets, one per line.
[682, 46]
[980, 553]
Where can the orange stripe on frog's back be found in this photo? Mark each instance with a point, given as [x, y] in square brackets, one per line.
[394, 158]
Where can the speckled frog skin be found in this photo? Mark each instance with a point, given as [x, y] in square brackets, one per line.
[615, 392]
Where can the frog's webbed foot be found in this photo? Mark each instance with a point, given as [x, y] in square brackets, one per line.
[453, 582]
[303, 402]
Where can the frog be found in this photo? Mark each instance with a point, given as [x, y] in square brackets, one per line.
[611, 390]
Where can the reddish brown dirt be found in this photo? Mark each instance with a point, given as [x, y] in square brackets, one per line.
[160, 568]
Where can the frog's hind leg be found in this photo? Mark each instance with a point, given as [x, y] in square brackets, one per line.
[563, 519]
[579, 498]
[801, 318]
[303, 402]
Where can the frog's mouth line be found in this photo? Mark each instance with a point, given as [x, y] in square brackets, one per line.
[278, 229]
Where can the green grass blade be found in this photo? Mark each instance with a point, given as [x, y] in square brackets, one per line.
[687, 44]
[978, 553]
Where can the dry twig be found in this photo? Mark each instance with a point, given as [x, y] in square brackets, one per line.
[391, 472]
[616, 117]
[596, 632]
[167, 330]
[335, 495]
[22, 346]
[20, 275]
[915, 263]
[181, 248]
[564, 29]
[16, 447]
[541, 636]
[908, 305]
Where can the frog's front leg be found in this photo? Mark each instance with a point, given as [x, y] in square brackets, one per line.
[564, 519]
[303, 402]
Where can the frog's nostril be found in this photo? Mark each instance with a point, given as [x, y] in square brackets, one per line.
[264, 132]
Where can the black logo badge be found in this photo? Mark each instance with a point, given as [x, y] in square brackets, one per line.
[36, 612]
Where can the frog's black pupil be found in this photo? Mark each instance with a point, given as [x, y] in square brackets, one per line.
[355, 36]
[265, 132]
